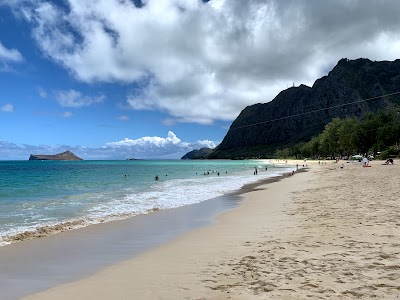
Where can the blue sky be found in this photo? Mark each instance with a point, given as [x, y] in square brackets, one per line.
[111, 79]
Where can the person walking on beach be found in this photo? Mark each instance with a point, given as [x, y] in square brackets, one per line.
[365, 161]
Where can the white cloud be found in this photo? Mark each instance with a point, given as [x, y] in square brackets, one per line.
[7, 108]
[201, 62]
[9, 55]
[206, 144]
[72, 98]
[145, 147]
[150, 141]
[157, 147]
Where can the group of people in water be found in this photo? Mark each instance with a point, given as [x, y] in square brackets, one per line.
[208, 172]
[365, 162]
[205, 173]
[216, 172]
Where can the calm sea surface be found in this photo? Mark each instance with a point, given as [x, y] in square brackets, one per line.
[44, 197]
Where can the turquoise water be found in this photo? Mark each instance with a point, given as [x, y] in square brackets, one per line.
[45, 197]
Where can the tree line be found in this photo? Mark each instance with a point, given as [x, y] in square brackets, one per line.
[376, 134]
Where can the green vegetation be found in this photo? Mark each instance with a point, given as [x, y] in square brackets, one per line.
[376, 133]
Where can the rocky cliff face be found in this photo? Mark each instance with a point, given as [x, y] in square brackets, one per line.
[197, 154]
[67, 155]
[299, 113]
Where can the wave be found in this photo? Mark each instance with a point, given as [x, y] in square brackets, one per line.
[161, 195]
[47, 230]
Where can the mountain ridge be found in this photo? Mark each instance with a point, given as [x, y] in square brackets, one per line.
[298, 113]
[197, 153]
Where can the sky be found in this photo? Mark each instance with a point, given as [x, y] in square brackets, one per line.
[154, 79]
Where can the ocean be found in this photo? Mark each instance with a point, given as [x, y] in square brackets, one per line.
[39, 198]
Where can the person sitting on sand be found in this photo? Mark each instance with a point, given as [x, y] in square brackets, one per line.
[389, 161]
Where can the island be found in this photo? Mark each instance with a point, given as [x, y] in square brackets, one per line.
[67, 155]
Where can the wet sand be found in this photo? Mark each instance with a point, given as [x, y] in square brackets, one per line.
[33, 265]
[329, 233]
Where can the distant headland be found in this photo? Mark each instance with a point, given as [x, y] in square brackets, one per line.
[198, 154]
[67, 155]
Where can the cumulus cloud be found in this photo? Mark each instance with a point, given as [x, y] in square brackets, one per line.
[7, 108]
[72, 98]
[156, 147]
[144, 147]
[201, 61]
[151, 141]
[205, 144]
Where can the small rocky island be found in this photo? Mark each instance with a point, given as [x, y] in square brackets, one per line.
[67, 155]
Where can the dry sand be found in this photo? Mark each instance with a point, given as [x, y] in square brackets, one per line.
[329, 233]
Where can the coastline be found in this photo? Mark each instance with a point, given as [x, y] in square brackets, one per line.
[38, 264]
[329, 233]
[134, 195]
[178, 269]
[70, 255]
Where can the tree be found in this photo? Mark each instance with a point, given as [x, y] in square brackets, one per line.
[348, 132]
[388, 133]
[376, 132]
[330, 138]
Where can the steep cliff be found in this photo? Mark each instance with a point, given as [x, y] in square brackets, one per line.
[67, 155]
[298, 113]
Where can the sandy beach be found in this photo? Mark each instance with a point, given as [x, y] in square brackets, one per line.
[328, 233]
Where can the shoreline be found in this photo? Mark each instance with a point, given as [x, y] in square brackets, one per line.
[37, 264]
[329, 233]
[50, 229]
[169, 261]
[84, 251]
